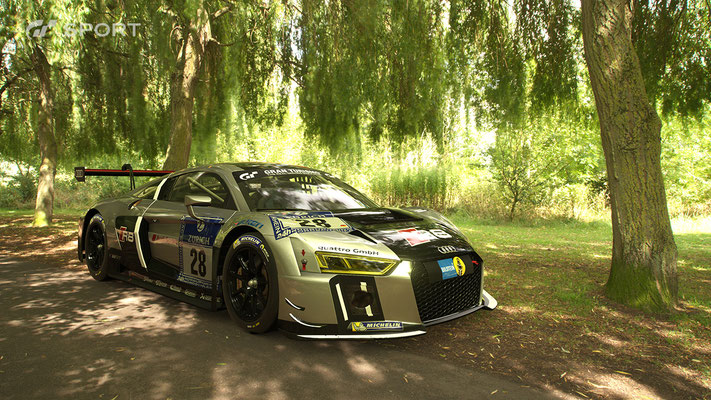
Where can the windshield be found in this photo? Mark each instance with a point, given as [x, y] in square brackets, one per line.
[300, 192]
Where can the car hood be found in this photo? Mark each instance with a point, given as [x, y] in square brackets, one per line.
[387, 232]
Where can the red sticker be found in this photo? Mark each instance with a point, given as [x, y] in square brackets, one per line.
[415, 237]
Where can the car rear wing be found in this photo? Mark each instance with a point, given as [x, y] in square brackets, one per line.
[80, 173]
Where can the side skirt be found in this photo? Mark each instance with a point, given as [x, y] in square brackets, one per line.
[202, 300]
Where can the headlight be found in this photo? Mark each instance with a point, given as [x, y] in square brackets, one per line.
[360, 265]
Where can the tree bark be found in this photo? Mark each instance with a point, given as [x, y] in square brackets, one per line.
[44, 206]
[643, 271]
[195, 36]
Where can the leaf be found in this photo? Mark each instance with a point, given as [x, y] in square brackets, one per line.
[494, 391]
[623, 373]
[221, 363]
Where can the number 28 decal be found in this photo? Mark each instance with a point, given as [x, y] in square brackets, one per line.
[313, 223]
[199, 259]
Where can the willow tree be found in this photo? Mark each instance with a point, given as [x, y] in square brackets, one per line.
[191, 39]
[644, 256]
[35, 47]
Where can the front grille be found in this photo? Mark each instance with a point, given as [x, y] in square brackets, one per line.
[445, 297]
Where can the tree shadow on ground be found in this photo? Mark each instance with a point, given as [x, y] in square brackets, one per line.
[64, 335]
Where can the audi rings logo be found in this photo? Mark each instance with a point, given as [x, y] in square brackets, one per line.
[446, 249]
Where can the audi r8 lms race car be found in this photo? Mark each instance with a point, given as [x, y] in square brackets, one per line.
[285, 246]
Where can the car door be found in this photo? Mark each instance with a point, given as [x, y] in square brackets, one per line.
[182, 247]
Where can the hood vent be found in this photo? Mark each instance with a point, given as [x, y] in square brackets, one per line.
[362, 235]
[377, 216]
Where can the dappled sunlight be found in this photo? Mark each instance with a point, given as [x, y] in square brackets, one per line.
[618, 384]
[53, 301]
[685, 225]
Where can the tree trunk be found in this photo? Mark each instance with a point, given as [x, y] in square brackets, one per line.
[45, 135]
[182, 90]
[643, 272]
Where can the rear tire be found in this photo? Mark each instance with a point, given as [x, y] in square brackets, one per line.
[96, 248]
[250, 287]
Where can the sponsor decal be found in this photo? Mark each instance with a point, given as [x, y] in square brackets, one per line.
[124, 235]
[285, 225]
[195, 249]
[248, 175]
[251, 222]
[446, 249]
[369, 326]
[416, 236]
[253, 240]
[440, 234]
[452, 267]
[290, 171]
[200, 226]
[345, 250]
[194, 281]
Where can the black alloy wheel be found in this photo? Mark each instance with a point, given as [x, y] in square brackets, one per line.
[248, 283]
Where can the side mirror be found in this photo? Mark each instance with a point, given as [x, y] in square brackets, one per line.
[196, 200]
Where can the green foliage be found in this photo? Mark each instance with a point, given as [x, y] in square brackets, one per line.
[431, 187]
[465, 103]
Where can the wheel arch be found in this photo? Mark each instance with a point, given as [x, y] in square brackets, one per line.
[227, 243]
[85, 224]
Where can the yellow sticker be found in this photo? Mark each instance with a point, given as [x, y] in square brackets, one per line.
[459, 266]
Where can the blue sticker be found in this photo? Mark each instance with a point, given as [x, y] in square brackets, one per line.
[198, 232]
[447, 267]
[251, 222]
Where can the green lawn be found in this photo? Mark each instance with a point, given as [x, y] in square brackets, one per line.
[583, 251]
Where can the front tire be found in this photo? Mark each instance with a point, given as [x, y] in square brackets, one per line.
[250, 285]
[96, 248]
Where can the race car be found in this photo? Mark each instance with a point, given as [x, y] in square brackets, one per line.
[285, 246]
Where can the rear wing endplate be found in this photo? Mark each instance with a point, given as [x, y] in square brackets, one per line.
[80, 173]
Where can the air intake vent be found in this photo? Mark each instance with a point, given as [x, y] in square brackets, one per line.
[362, 235]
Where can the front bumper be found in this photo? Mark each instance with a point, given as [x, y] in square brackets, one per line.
[324, 306]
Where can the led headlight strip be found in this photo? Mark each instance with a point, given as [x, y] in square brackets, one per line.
[336, 263]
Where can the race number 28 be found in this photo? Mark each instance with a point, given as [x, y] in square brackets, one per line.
[199, 259]
[312, 223]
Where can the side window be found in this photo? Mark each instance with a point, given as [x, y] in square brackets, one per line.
[213, 186]
[148, 191]
[181, 187]
[202, 184]
[166, 189]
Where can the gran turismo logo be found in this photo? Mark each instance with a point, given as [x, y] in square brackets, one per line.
[38, 29]
[248, 175]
